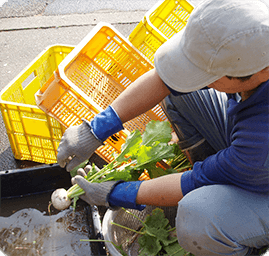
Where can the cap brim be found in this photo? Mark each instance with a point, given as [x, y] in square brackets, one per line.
[176, 70]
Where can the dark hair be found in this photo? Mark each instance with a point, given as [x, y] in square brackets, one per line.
[242, 78]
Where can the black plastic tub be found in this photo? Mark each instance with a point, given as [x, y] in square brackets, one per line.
[33, 180]
[29, 226]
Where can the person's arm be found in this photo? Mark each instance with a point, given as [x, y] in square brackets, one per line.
[245, 162]
[162, 191]
[142, 95]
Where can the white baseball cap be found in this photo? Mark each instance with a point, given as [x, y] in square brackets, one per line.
[221, 38]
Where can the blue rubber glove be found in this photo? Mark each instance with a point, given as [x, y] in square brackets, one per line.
[124, 195]
[106, 124]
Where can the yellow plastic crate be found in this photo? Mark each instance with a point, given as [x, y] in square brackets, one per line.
[159, 24]
[33, 135]
[92, 76]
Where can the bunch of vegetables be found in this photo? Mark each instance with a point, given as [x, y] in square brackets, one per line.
[155, 237]
[139, 152]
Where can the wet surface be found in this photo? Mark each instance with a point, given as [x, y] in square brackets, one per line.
[39, 231]
[29, 226]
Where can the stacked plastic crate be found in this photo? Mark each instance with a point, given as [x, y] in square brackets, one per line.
[33, 134]
[69, 83]
[159, 24]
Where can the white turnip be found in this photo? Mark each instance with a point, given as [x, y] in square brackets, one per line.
[59, 199]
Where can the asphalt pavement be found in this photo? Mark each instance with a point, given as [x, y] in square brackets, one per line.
[24, 8]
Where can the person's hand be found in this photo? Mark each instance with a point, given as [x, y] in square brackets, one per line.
[95, 193]
[78, 144]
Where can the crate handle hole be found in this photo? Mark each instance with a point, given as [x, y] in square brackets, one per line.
[28, 80]
[115, 137]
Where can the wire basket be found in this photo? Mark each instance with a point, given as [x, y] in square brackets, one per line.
[124, 237]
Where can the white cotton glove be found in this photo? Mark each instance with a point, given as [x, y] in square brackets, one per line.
[95, 193]
[78, 144]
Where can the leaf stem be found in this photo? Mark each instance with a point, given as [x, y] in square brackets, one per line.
[143, 223]
[116, 224]
[172, 229]
[179, 250]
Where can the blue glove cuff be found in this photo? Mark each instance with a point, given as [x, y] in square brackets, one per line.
[124, 195]
[106, 124]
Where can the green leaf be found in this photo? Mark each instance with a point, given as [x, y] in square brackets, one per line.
[157, 131]
[82, 165]
[157, 236]
[149, 245]
[154, 154]
[155, 172]
[175, 249]
[157, 219]
[117, 175]
[170, 171]
[131, 146]
[160, 233]
[157, 233]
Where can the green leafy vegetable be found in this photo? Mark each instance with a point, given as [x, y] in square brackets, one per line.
[156, 235]
[180, 161]
[157, 132]
[74, 171]
[139, 152]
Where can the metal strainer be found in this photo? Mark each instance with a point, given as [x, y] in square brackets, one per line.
[124, 237]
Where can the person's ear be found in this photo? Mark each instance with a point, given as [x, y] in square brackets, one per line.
[264, 74]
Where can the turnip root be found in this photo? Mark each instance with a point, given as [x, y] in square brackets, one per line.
[59, 199]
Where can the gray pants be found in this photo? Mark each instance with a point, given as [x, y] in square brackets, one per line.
[216, 219]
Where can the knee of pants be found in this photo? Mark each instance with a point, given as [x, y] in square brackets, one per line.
[199, 229]
[190, 226]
